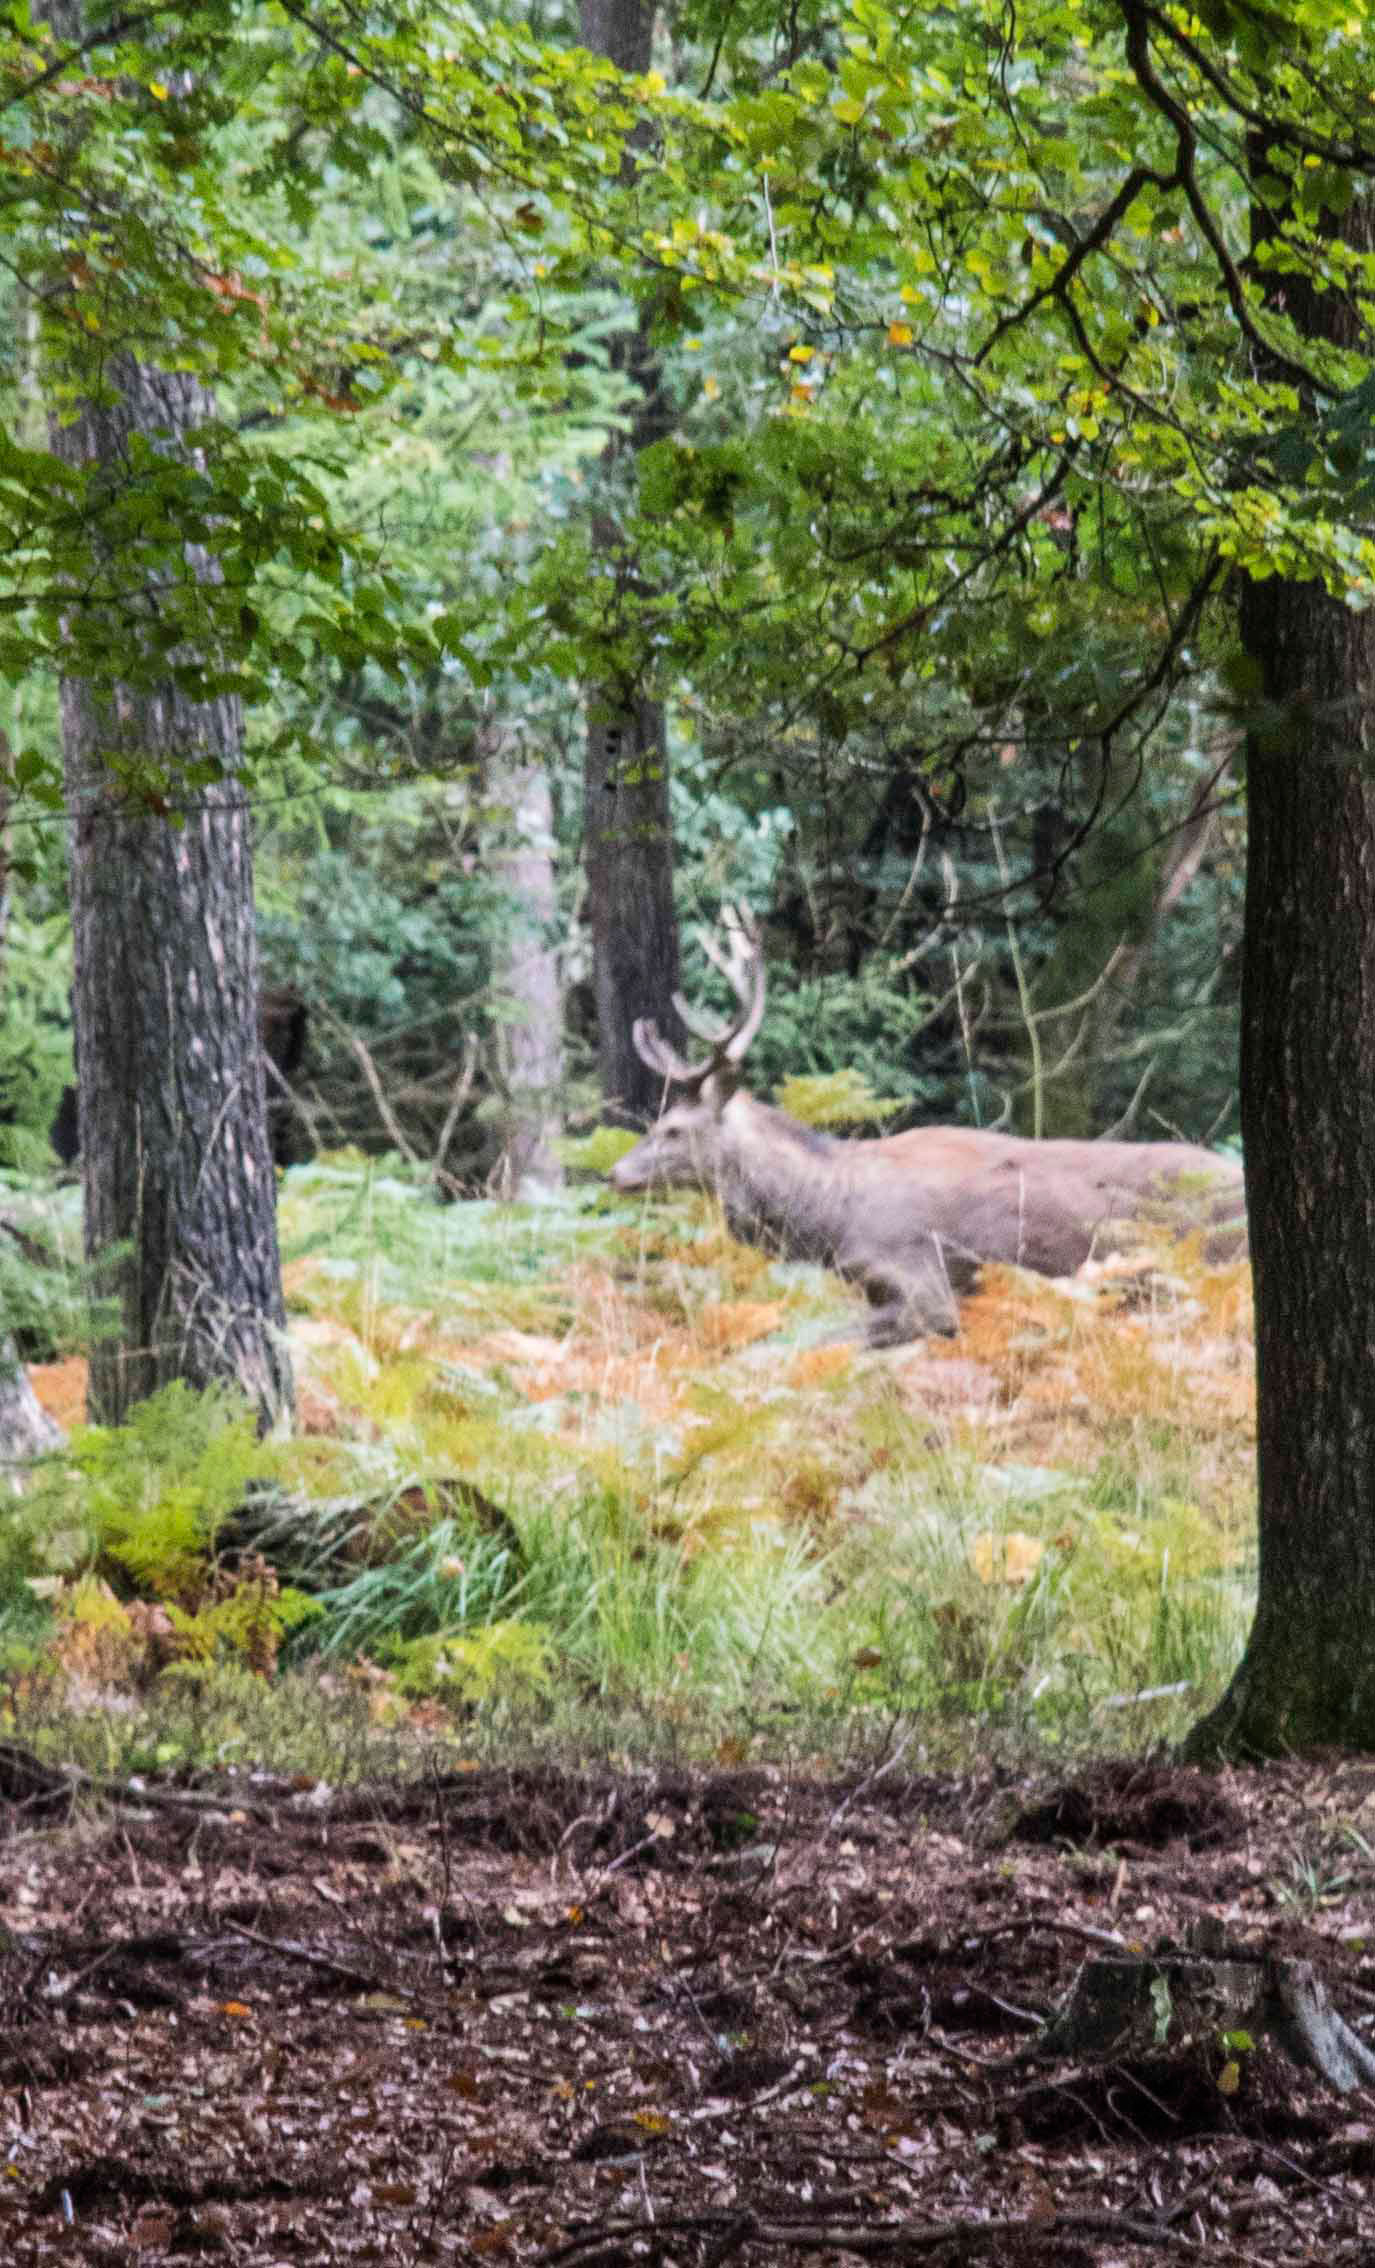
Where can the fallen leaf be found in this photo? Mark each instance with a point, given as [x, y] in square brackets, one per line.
[1012, 1559]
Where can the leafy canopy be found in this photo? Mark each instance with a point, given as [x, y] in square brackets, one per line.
[981, 328]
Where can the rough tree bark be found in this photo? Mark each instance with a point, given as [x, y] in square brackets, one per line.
[526, 978]
[1307, 1074]
[179, 1185]
[628, 835]
[180, 1193]
[628, 861]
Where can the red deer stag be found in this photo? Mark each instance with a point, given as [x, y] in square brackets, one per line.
[907, 1217]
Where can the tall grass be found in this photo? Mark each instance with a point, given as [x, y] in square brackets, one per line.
[583, 1471]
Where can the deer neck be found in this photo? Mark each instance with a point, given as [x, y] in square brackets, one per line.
[779, 1181]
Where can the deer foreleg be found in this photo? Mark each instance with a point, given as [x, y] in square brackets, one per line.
[909, 1306]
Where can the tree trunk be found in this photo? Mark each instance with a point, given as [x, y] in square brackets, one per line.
[25, 1428]
[6, 774]
[1307, 1074]
[526, 980]
[628, 858]
[179, 1185]
[628, 851]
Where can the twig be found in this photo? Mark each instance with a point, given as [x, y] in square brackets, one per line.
[869, 1782]
[463, 1087]
[369, 1071]
[607, 2242]
[1121, 1127]
[789, 2084]
[1084, 1930]
[323, 1961]
[278, 1078]
[1029, 1016]
[72, 1781]
[952, 893]
[914, 873]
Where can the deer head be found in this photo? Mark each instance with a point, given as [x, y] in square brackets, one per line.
[684, 1144]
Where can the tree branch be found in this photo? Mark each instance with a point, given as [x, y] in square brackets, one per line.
[1136, 17]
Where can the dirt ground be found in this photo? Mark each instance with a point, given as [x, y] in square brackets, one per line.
[587, 2020]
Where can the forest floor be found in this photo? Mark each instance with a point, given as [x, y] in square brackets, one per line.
[592, 2018]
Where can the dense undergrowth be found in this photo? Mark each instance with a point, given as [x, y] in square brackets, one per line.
[582, 1474]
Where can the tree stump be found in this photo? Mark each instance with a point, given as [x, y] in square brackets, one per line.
[1121, 2007]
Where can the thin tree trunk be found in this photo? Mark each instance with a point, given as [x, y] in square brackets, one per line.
[25, 1427]
[179, 1184]
[26, 1430]
[1307, 1076]
[628, 860]
[526, 980]
[6, 775]
[628, 853]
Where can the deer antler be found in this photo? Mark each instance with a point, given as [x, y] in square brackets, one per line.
[653, 1049]
[742, 965]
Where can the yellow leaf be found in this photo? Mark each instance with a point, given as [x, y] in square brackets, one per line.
[1229, 2078]
[711, 388]
[1012, 1559]
[155, 87]
[801, 353]
[899, 334]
